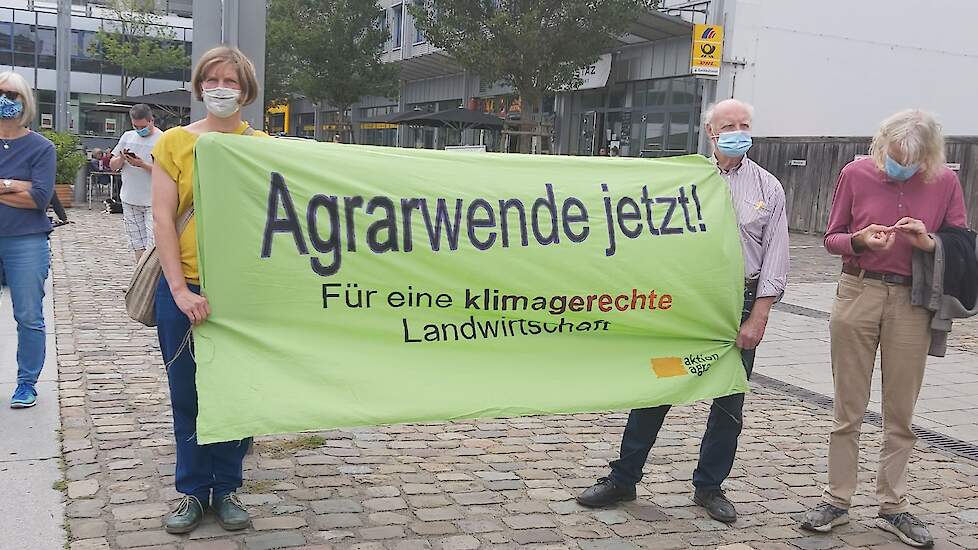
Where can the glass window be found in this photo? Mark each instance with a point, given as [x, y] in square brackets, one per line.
[654, 131]
[617, 98]
[46, 41]
[24, 39]
[679, 131]
[397, 17]
[652, 93]
[594, 100]
[6, 36]
[684, 92]
[418, 35]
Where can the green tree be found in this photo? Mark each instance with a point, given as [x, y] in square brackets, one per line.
[536, 46]
[137, 40]
[329, 51]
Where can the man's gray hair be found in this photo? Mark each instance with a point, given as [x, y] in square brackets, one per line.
[140, 111]
[707, 117]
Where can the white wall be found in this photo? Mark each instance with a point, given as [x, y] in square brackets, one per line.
[838, 67]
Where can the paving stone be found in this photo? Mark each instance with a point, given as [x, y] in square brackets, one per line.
[381, 533]
[475, 526]
[611, 517]
[88, 529]
[278, 523]
[535, 536]
[445, 513]
[145, 538]
[458, 542]
[338, 521]
[90, 544]
[211, 545]
[336, 505]
[429, 528]
[384, 504]
[140, 511]
[82, 489]
[549, 494]
[528, 521]
[273, 541]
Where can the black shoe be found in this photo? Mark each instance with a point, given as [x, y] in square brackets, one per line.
[186, 517]
[716, 504]
[605, 493]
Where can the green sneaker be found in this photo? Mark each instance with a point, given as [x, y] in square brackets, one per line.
[231, 513]
[186, 517]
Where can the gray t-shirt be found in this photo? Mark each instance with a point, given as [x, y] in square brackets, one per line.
[137, 182]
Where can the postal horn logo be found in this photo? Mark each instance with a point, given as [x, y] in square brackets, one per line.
[709, 33]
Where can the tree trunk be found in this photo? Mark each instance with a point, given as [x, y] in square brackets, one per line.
[527, 103]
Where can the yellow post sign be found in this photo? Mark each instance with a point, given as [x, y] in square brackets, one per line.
[707, 52]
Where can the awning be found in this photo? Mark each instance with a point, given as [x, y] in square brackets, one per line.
[173, 98]
[460, 119]
[655, 25]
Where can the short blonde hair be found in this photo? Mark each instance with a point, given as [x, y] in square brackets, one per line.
[220, 55]
[918, 135]
[26, 95]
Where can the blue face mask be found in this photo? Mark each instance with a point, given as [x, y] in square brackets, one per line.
[734, 144]
[10, 109]
[143, 132]
[898, 171]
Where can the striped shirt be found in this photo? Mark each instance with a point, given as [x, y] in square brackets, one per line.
[759, 203]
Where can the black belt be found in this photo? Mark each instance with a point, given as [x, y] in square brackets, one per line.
[891, 278]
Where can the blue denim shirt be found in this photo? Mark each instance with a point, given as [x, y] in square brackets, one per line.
[29, 158]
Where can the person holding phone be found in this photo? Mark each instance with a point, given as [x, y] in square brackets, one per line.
[133, 154]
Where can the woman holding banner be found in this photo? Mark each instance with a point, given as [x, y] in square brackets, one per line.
[207, 475]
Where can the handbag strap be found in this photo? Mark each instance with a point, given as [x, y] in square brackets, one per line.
[184, 220]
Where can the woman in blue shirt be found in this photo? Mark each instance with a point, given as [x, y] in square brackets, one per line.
[27, 165]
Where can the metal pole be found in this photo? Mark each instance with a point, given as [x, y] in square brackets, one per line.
[715, 16]
[238, 24]
[207, 35]
[62, 120]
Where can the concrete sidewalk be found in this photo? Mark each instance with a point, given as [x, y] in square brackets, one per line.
[31, 511]
[796, 350]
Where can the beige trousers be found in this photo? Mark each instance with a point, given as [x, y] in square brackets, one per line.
[869, 314]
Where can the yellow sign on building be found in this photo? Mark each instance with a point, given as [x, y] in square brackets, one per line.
[707, 51]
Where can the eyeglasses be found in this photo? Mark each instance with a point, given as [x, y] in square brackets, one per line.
[9, 94]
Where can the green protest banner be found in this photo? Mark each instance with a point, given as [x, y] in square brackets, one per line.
[353, 285]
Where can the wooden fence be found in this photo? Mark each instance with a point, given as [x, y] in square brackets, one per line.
[809, 168]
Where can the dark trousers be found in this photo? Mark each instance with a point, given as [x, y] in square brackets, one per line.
[201, 469]
[719, 444]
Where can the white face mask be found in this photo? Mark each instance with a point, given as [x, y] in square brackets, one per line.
[222, 102]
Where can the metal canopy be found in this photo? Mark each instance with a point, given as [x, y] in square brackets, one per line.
[428, 66]
[655, 25]
[172, 98]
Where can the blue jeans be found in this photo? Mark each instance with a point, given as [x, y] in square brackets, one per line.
[201, 469]
[24, 263]
[719, 444]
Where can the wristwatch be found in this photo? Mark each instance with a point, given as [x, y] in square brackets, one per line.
[7, 184]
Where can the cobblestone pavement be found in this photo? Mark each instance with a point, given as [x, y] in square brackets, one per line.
[451, 486]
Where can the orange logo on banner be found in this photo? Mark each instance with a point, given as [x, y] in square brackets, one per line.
[665, 367]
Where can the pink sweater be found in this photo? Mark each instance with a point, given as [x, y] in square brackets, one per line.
[865, 195]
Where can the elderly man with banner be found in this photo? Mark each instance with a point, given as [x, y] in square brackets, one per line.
[759, 201]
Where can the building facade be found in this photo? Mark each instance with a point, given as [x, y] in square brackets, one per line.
[28, 44]
[644, 100]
